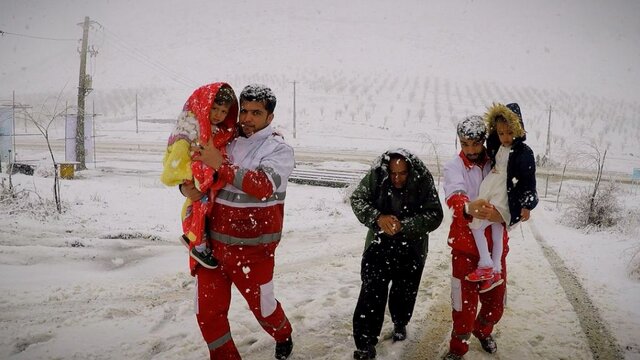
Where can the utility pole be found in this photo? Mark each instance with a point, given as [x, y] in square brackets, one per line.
[13, 131]
[294, 109]
[93, 132]
[82, 92]
[548, 150]
[136, 112]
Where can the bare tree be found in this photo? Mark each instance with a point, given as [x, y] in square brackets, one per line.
[595, 206]
[434, 146]
[599, 159]
[42, 120]
[586, 155]
[564, 170]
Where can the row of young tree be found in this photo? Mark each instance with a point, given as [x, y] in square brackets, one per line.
[392, 101]
[320, 91]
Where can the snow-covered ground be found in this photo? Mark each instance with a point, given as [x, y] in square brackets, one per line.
[108, 279]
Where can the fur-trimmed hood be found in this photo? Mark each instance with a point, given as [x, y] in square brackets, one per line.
[511, 112]
[521, 164]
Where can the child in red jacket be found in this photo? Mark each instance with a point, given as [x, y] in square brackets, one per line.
[210, 114]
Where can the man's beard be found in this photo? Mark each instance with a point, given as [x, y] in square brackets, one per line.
[475, 157]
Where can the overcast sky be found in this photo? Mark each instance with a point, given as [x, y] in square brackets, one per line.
[590, 46]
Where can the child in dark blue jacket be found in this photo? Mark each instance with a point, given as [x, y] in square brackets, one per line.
[510, 187]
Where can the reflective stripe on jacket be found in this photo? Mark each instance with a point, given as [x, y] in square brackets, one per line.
[249, 210]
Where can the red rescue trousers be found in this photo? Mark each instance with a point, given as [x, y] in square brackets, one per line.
[250, 269]
[467, 319]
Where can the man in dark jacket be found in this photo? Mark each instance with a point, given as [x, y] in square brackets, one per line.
[398, 202]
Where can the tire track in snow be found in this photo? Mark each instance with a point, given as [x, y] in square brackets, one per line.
[435, 325]
[601, 341]
[432, 324]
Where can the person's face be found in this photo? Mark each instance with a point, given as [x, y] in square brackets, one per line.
[218, 113]
[505, 134]
[399, 171]
[253, 117]
[472, 149]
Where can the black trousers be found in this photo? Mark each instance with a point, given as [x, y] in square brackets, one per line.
[386, 262]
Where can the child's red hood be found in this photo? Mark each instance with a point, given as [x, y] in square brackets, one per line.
[200, 103]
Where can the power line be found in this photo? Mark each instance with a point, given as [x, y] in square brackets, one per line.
[2, 33]
[132, 51]
[122, 46]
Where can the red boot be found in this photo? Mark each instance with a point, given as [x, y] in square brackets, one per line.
[491, 284]
[480, 274]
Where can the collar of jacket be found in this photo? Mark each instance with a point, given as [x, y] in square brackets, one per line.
[259, 135]
[470, 164]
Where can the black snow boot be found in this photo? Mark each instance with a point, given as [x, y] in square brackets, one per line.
[204, 258]
[365, 354]
[489, 345]
[283, 349]
[399, 332]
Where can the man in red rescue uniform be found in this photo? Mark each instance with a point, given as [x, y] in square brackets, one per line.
[462, 178]
[245, 227]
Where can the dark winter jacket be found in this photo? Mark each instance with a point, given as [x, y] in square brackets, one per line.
[521, 167]
[421, 211]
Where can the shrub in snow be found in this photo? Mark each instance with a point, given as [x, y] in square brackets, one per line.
[16, 201]
[633, 266]
[629, 223]
[588, 211]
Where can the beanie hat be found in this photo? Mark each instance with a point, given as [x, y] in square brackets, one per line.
[472, 128]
